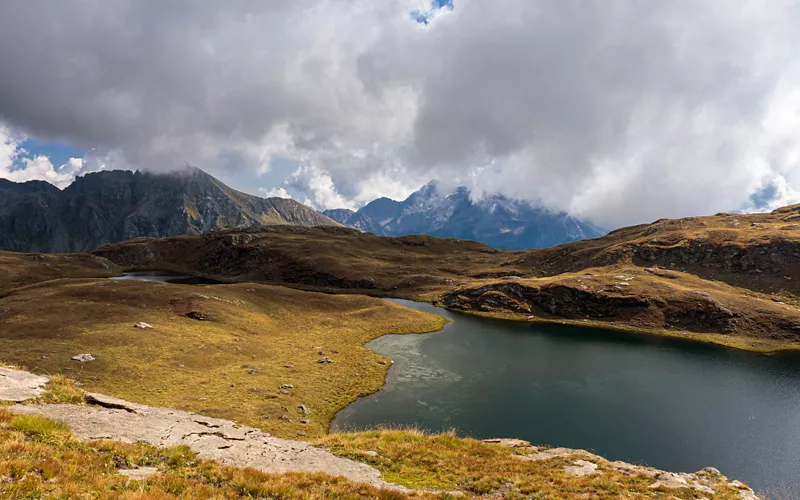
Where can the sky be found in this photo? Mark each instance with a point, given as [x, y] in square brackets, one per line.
[618, 113]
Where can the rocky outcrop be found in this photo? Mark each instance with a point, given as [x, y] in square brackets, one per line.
[708, 481]
[211, 438]
[18, 386]
[646, 299]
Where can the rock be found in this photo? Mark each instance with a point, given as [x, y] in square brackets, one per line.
[509, 443]
[18, 386]
[83, 358]
[287, 386]
[324, 361]
[138, 473]
[305, 409]
[382, 362]
[305, 421]
[581, 468]
[371, 453]
[251, 371]
[197, 315]
[142, 325]
[712, 471]
[670, 481]
[211, 438]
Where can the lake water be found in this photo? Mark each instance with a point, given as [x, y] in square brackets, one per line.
[671, 404]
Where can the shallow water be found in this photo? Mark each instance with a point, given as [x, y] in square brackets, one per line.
[672, 404]
[165, 277]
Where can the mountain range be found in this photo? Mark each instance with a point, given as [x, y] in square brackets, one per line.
[495, 220]
[118, 205]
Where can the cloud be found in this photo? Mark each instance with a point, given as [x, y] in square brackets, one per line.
[274, 193]
[620, 113]
[17, 165]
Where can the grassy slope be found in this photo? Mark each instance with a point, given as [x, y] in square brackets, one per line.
[18, 269]
[447, 463]
[258, 338]
[39, 458]
[749, 265]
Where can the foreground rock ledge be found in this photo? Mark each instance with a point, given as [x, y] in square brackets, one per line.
[211, 438]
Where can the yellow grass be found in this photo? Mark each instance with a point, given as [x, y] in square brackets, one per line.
[257, 339]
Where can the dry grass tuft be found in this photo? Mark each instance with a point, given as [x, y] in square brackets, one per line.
[446, 462]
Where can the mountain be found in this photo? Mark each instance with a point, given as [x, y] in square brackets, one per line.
[118, 205]
[340, 215]
[496, 220]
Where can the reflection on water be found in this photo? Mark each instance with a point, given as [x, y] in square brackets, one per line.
[672, 404]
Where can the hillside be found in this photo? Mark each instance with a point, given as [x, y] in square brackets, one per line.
[119, 205]
[496, 220]
[730, 279]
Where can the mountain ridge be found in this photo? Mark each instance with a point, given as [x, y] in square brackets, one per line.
[495, 220]
[118, 205]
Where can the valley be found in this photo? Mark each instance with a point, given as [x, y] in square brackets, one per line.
[276, 337]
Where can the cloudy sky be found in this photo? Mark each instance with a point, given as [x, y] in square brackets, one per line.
[619, 112]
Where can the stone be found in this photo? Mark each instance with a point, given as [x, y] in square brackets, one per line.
[305, 409]
[670, 481]
[287, 386]
[509, 443]
[305, 421]
[325, 361]
[139, 473]
[371, 453]
[712, 471]
[582, 468]
[197, 315]
[18, 386]
[83, 358]
[142, 325]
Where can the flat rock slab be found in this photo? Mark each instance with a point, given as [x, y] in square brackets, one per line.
[211, 438]
[138, 473]
[20, 386]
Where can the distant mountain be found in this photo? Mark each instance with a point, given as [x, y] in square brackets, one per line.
[117, 205]
[338, 214]
[496, 220]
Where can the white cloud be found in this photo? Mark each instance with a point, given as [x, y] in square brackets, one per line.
[620, 113]
[18, 166]
[274, 193]
[318, 185]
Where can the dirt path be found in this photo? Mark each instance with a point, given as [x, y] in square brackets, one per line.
[214, 439]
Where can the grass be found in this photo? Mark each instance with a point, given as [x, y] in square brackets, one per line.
[40, 459]
[258, 340]
[449, 463]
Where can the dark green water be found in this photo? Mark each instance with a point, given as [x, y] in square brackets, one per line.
[675, 405]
